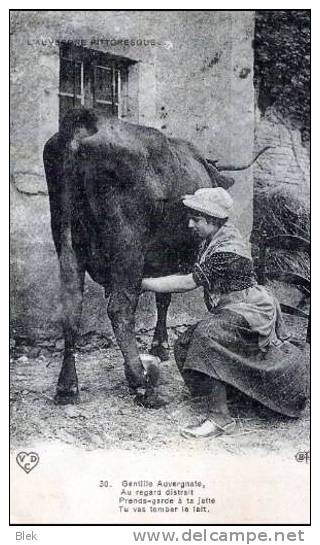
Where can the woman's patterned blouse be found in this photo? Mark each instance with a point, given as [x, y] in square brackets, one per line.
[223, 272]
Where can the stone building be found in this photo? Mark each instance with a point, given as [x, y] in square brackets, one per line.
[187, 73]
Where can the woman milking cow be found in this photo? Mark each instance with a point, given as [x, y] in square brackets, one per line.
[242, 342]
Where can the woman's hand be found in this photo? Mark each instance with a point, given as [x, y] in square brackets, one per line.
[143, 288]
[147, 284]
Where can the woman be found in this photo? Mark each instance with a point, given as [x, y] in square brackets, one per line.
[242, 342]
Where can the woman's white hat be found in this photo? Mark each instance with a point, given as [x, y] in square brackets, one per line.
[214, 201]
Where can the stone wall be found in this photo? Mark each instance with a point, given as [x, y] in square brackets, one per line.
[282, 178]
[282, 193]
[196, 82]
[288, 160]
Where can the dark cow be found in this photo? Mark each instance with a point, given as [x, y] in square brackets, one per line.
[115, 198]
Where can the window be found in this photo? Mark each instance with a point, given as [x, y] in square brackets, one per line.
[93, 79]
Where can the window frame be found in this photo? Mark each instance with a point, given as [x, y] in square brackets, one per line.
[90, 60]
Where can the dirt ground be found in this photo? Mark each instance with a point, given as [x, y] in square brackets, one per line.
[108, 418]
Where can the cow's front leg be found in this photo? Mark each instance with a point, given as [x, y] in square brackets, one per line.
[121, 311]
[126, 276]
[72, 281]
[160, 346]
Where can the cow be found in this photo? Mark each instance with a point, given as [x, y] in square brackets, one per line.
[115, 192]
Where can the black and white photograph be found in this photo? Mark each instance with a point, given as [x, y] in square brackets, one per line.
[160, 267]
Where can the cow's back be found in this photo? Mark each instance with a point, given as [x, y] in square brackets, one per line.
[167, 167]
[176, 165]
[150, 173]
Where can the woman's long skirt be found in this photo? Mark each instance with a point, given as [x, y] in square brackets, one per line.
[223, 347]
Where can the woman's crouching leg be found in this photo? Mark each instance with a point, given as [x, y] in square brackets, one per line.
[197, 383]
[217, 419]
[191, 347]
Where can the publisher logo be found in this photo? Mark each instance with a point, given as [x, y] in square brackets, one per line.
[303, 456]
[27, 460]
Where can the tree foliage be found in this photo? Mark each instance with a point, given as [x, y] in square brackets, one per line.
[282, 63]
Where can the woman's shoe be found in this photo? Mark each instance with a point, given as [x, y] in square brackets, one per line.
[208, 428]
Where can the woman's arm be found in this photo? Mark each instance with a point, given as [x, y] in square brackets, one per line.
[174, 283]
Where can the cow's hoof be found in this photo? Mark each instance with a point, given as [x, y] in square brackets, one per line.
[150, 400]
[160, 351]
[67, 398]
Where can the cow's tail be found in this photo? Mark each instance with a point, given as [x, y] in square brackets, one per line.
[66, 197]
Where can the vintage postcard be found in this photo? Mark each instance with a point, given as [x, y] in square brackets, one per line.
[160, 267]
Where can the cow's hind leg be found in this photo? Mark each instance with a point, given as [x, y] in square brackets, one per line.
[160, 346]
[72, 281]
